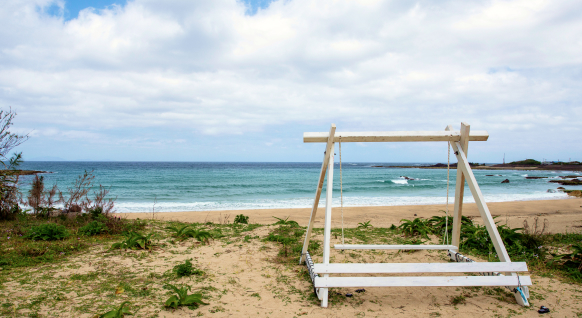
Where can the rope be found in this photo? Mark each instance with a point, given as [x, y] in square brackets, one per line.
[341, 188]
[446, 236]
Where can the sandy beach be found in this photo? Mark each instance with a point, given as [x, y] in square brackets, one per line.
[244, 275]
[563, 215]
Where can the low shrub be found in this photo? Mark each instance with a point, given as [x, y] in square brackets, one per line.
[187, 269]
[94, 228]
[415, 227]
[241, 219]
[47, 232]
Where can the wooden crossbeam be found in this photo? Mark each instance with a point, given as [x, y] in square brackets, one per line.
[392, 247]
[391, 268]
[394, 136]
[419, 281]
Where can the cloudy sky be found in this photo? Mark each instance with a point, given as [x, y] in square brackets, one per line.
[228, 80]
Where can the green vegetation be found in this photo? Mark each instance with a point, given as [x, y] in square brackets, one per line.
[241, 219]
[94, 228]
[285, 222]
[523, 244]
[526, 162]
[364, 225]
[117, 313]
[186, 269]
[181, 298]
[186, 231]
[9, 193]
[135, 241]
[47, 232]
[415, 227]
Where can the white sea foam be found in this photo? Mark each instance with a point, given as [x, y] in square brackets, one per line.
[400, 181]
[307, 202]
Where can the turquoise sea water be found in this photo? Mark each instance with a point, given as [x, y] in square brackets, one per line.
[203, 186]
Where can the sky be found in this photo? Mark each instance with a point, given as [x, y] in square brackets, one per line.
[228, 80]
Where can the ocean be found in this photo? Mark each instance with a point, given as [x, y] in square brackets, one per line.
[205, 186]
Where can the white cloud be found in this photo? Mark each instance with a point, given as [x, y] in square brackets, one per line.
[206, 67]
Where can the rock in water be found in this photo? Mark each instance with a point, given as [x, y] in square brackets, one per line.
[505, 181]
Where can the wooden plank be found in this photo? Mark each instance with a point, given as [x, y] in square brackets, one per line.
[392, 268]
[328, 152]
[394, 136]
[463, 164]
[392, 247]
[327, 224]
[459, 189]
[419, 281]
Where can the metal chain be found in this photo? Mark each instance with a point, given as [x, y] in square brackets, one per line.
[341, 188]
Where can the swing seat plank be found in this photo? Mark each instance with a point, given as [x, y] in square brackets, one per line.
[419, 281]
[393, 247]
[391, 268]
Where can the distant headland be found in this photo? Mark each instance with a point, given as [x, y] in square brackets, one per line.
[527, 164]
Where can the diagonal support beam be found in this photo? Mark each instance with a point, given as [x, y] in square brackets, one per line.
[328, 151]
[463, 165]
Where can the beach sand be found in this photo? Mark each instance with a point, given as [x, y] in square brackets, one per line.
[245, 279]
[564, 215]
[249, 269]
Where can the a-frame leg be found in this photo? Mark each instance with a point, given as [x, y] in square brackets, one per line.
[327, 154]
[521, 294]
[459, 189]
[323, 292]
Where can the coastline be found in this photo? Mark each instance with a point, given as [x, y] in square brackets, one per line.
[564, 215]
[497, 167]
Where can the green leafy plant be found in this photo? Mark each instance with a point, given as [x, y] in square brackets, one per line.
[187, 269]
[241, 219]
[364, 225]
[96, 212]
[570, 260]
[135, 241]
[93, 228]
[117, 313]
[285, 222]
[47, 232]
[187, 231]
[182, 298]
[415, 227]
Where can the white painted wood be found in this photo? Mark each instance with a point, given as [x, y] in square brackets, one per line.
[328, 152]
[391, 268]
[463, 165]
[328, 206]
[394, 136]
[392, 247]
[418, 281]
[459, 189]
[327, 226]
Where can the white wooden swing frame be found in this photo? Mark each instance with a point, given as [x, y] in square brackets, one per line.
[490, 271]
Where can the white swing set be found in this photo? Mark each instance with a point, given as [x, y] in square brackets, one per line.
[490, 271]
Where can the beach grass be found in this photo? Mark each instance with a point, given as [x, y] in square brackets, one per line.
[90, 278]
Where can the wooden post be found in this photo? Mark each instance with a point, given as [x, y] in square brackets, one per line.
[327, 154]
[327, 227]
[459, 189]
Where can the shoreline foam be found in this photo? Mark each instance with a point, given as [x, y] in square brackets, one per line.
[563, 214]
